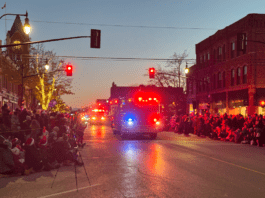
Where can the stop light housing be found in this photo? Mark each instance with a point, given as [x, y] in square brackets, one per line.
[151, 72]
[262, 103]
[95, 38]
[69, 70]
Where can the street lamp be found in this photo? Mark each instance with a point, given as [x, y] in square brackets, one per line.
[47, 66]
[186, 69]
[26, 27]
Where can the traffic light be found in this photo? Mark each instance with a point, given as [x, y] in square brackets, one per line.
[69, 70]
[241, 42]
[95, 38]
[262, 103]
[151, 72]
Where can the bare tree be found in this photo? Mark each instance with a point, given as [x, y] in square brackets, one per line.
[175, 75]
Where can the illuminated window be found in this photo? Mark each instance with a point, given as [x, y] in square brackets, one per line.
[18, 46]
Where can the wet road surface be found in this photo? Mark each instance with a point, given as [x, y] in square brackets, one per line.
[173, 165]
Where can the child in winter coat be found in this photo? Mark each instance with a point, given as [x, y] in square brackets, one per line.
[18, 156]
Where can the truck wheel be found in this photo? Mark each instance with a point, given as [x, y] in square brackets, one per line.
[153, 136]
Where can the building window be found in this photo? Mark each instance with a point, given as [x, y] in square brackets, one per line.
[208, 83]
[224, 79]
[233, 50]
[232, 77]
[245, 46]
[224, 52]
[219, 58]
[219, 80]
[238, 77]
[245, 72]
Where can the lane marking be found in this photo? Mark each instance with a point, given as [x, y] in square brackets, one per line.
[225, 162]
[64, 192]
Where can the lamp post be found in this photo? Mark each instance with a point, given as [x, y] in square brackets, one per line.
[26, 27]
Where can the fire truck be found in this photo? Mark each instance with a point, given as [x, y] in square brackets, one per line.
[98, 115]
[137, 115]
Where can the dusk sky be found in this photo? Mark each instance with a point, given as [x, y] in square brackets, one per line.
[148, 29]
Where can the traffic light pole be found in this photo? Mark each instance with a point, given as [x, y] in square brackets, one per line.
[44, 41]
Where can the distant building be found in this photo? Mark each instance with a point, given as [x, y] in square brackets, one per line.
[225, 80]
[172, 99]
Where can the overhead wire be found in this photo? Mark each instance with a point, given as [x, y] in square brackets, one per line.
[124, 26]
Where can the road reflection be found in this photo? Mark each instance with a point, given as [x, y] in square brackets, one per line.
[155, 162]
[149, 155]
[98, 132]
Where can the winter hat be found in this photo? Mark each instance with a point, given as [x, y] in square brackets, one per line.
[15, 141]
[30, 142]
[43, 141]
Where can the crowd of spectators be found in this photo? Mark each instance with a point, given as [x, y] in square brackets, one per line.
[32, 141]
[233, 128]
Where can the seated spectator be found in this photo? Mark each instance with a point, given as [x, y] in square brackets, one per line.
[32, 156]
[53, 135]
[18, 156]
[63, 152]
[45, 154]
[7, 164]
[238, 136]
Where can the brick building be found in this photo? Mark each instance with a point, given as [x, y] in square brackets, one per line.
[173, 100]
[8, 90]
[13, 57]
[225, 79]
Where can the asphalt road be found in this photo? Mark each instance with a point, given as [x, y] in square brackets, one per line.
[170, 166]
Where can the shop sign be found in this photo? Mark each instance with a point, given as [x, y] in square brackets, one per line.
[237, 103]
[219, 103]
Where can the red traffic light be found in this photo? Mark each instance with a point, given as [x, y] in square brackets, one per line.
[151, 72]
[69, 70]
